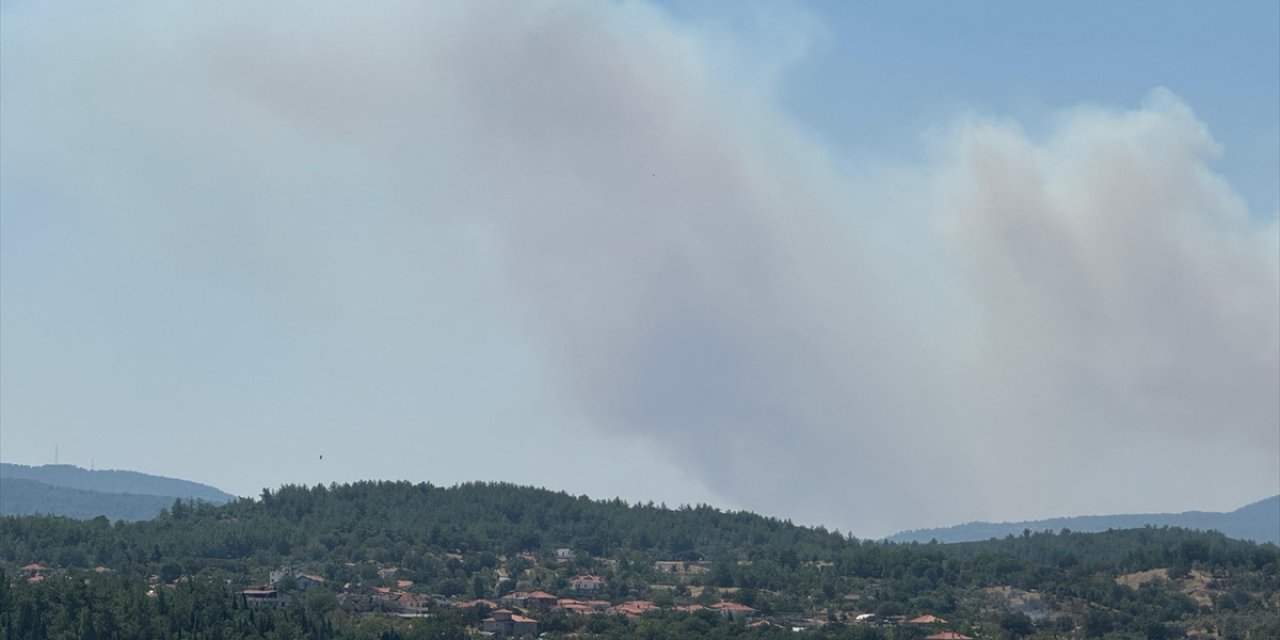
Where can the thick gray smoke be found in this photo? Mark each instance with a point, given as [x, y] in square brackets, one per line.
[1020, 322]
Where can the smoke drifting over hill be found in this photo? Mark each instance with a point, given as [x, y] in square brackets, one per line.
[870, 346]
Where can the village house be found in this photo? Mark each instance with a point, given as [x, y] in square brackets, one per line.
[927, 619]
[409, 603]
[564, 554]
[588, 585]
[264, 596]
[734, 611]
[582, 607]
[305, 581]
[947, 635]
[531, 599]
[505, 624]
[33, 570]
[575, 607]
[634, 608]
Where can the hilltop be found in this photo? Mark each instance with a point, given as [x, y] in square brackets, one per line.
[1258, 521]
[67, 490]
[399, 560]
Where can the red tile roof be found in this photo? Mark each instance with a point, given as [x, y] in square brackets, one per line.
[947, 635]
[635, 607]
[926, 619]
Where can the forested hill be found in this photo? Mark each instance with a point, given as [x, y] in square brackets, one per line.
[374, 548]
[114, 481]
[1259, 521]
[505, 518]
[394, 520]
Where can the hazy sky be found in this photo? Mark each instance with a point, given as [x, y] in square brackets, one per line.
[869, 265]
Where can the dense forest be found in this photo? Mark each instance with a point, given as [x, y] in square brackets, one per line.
[463, 551]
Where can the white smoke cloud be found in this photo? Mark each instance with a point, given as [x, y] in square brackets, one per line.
[1124, 304]
[1022, 327]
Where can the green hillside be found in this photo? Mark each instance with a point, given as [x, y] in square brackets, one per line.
[375, 552]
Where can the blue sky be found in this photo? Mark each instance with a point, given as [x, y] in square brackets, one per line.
[876, 75]
[869, 265]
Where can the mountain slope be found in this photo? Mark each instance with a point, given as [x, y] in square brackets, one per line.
[21, 497]
[113, 481]
[1259, 521]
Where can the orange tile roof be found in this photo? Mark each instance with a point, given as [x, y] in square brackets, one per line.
[635, 607]
[926, 619]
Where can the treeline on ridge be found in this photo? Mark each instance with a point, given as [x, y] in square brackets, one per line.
[455, 541]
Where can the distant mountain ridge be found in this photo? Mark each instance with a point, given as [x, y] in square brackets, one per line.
[1258, 521]
[114, 481]
[67, 490]
[21, 497]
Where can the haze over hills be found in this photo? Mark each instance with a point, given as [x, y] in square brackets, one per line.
[21, 497]
[68, 490]
[76, 492]
[114, 481]
[1259, 521]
